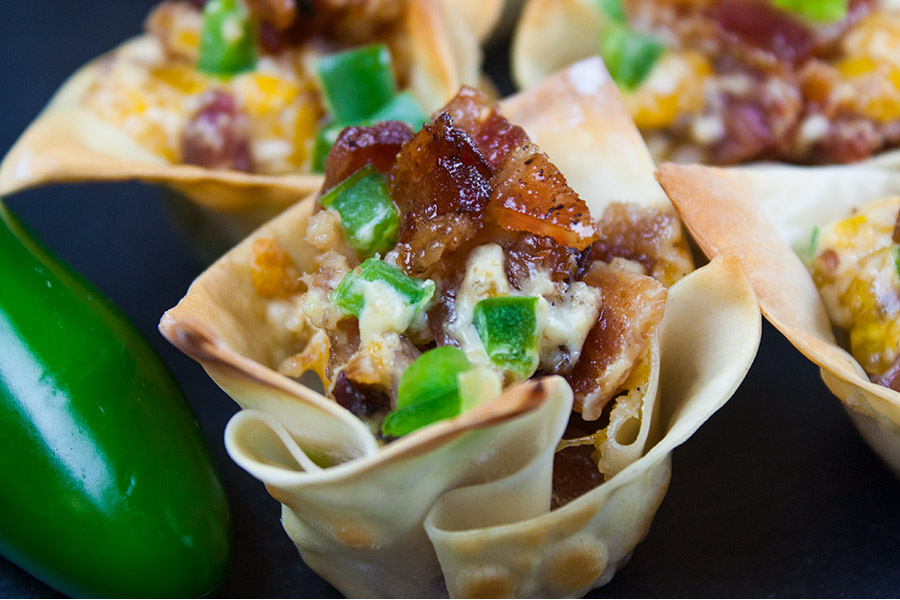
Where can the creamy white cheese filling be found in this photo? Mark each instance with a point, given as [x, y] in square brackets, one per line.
[565, 313]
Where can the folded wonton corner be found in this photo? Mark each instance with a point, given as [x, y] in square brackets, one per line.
[765, 215]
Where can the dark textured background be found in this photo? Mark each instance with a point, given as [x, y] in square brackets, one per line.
[776, 495]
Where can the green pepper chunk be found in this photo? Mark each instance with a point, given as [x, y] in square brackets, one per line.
[356, 83]
[895, 253]
[507, 326]
[813, 243]
[108, 488]
[428, 391]
[629, 55]
[402, 107]
[824, 11]
[368, 215]
[227, 45]
[614, 9]
[359, 90]
[349, 295]
[326, 136]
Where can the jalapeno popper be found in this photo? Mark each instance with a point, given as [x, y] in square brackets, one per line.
[821, 247]
[516, 349]
[733, 81]
[234, 102]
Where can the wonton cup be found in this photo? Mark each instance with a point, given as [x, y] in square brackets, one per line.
[766, 215]
[67, 143]
[551, 34]
[463, 505]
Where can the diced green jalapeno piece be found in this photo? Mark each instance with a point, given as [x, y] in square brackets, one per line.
[428, 391]
[508, 330]
[349, 295]
[614, 9]
[227, 44]
[356, 83]
[326, 136]
[629, 55]
[813, 242]
[402, 107]
[817, 10]
[368, 214]
[895, 253]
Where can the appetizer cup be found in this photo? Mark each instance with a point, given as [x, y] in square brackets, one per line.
[478, 504]
[767, 216]
[734, 81]
[236, 139]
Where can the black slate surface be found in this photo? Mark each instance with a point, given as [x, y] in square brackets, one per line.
[776, 496]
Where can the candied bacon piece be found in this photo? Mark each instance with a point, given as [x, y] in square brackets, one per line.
[768, 28]
[343, 342]
[497, 138]
[361, 400]
[494, 136]
[575, 473]
[217, 136]
[467, 109]
[357, 147]
[531, 194]
[848, 140]
[645, 235]
[441, 165]
[279, 13]
[440, 183]
[633, 306]
[527, 253]
[748, 132]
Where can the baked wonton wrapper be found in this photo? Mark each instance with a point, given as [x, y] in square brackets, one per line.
[463, 505]
[766, 215]
[69, 143]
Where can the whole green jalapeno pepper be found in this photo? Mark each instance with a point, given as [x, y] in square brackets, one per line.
[106, 486]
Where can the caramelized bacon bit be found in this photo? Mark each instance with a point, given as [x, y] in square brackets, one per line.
[361, 400]
[440, 183]
[343, 342]
[768, 28]
[633, 306]
[849, 140]
[531, 194]
[895, 236]
[529, 253]
[467, 109]
[358, 146]
[575, 473]
[280, 13]
[217, 136]
[497, 138]
[273, 271]
[645, 235]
